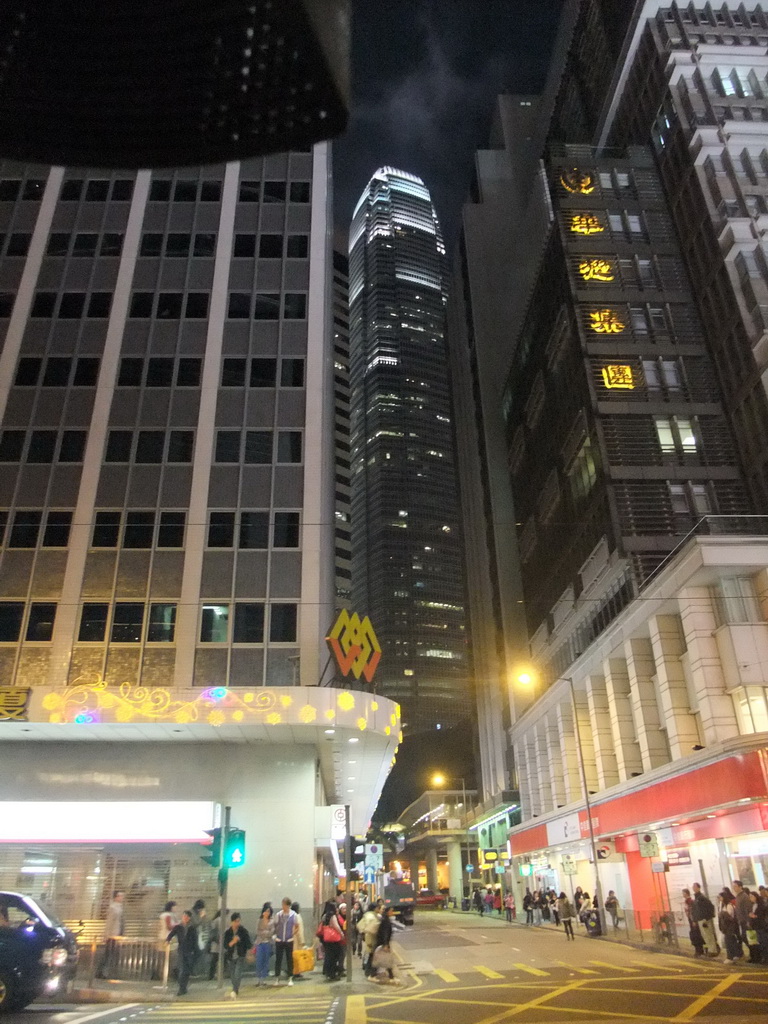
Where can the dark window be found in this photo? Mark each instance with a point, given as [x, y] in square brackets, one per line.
[127, 623]
[239, 305]
[249, 191]
[72, 448]
[282, 623]
[11, 445]
[122, 190]
[300, 191]
[96, 191]
[180, 444]
[205, 244]
[221, 530]
[170, 533]
[119, 446]
[297, 247]
[130, 372]
[151, 244]
[149, 447]
[139, 528]
[160, 190]
[6, 304]
[249, 624]
[9, 190]
[267, 306]
[28, 371]
[210, 191]
[263, 373]
[57, 372]
[188, 372]
[33, 189]
[18, 244]
[232, 374]
[286, 533]
[40, 622]
[197, 306]
[93, 623]
[56, 533]
[58, 243]
[254, 530]
[11, 613]
[106, 530]
[85, 244]
[295, 306]
[71, 190]
[177, 244]
[42, 445]
[271, 247]
[274, 191]
[86, 372]
[159, 372]
[169, 306]
[227, 446]
[214, 624]
[71, 305]
[258, 447]
[141, 305]
[99, 305]
[162, 623]
[25, 529]
[111, 244]
[43, 304]
[185, 191]
[292, 373]
[289, 446]
[245, 245]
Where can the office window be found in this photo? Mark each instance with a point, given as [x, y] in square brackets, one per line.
[18, 243]
[675, 434]
[161, 626]
[289, 446]
[127, 623]
[71, 305]
[245, 245]
[300, 191]
[71, 190]
[33, 189]
[96, 191]
[57, 370]
[141, 305]
[9, 190]
[106, 530]
[295, 306]
[205, 243]
[86, 372]
[85, 244]
[58, 244]
[221, 529]
[258, 447]
[130, 372]
[239, 306]
[11, 445]
[57, 526]
[170, 533]
[297, 247]
[3, 524]
[180, 445]
[214, 624]
[282, 623]
[197, 306]
[40, 622]
[263, 373]
[42, 446]
[28, 371]
[72, 447]
[25, 529]
[151, 244]
[122, 190]
[271, 247]
[119, 446]
[286, 530]
[177, 245]
[188, 372]
[139, 528]
[185, 191]
[292, 373]
[210, 191]
[233, 373]
[43, 303]
[687, 436]
[6, 304]
[274, 192]
[111, 243]
[11, 614]
[160, 190]
[150, 445]
[254, 530]
[249, 191]
[227, 446]
[249, 624]
[99, 305]
[169, 306]
[93, 623]
[159, 372]
[267, 306]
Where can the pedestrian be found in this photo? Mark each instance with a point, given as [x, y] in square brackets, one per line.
[552, 899]
[703, 913]
[729, 926]
[265, 934]
[213, 946]
[567, 913]
[509, 906]
[477, 899]
[113, 929]
[285, 930]
[586, 904]
[756, 926]
[298, 939]
[203, 932]
[383, 958]
[536, 905]
[185, 934]
[694, 932]
[331, 934]
[354, 936]
[497, 902]
[237, 942]
[167, 920]
[369, 928]
[578, 898]
[612, 906]
[488, 900]
[528, 906]
[743, 908]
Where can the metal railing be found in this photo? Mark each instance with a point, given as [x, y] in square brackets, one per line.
[125, 959]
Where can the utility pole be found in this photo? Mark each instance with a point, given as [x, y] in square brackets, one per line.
[223, 880]
[348, 864]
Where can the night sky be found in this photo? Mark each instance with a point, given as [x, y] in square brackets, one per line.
[425, 76]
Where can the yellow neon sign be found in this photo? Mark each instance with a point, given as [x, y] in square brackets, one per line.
[586, 224]
[618, 377]
[596, 270]
[354, 645]
[605, 321]
[574, 180]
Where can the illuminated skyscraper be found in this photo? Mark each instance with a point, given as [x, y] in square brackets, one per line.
[406, 552]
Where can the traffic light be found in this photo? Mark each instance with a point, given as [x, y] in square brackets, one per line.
[234, 849]
[213, 855]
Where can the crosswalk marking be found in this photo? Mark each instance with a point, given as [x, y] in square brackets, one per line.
[445, 975]
[487, 971]
[656, 966]
[532, 970]
[614, 967]
[578, 970]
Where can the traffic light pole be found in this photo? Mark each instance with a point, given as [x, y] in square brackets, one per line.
[223, 880]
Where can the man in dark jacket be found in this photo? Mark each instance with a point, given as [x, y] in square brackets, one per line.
[743, 908]
[703, 914]
[186, 933]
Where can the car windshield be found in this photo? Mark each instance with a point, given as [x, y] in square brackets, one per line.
[23, 910]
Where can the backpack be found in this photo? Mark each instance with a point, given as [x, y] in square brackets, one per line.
[708, 907]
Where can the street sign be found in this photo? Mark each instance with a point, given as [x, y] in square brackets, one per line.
[369, 874]
[500, 869]
[338, 821]
[469, 867]
[568, 864]
[648, 843]
[490, 855]
[374, 855]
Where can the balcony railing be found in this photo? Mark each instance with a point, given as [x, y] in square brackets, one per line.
[716, 526]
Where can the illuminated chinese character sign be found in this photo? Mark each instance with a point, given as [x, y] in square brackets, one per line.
[605, 321]
[13, 703]
[586, 224]
[354, 645]
[596, 270]
[580, 182]
[618, 377]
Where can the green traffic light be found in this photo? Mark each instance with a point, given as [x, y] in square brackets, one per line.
[234, 851]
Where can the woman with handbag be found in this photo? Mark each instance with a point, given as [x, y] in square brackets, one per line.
[331, 934]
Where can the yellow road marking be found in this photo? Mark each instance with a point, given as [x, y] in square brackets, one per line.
[698, 1004]
[532, 970]
[578, 970]
[533, 1003]
[613, 967]
[487, 971]
[654, 966]
[445, 975]
[355, 1011]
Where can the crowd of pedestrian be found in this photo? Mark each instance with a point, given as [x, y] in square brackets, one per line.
[742, 918]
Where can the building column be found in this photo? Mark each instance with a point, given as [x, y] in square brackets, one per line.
[668, 646]
[542, 766]
[599, 713]
[628, 760]
[431, 859]
[587, 742]
[524, 779]
[556, 762]
[533, 764]
[715, 706]
[641, 668]
[568, 752]
[455, 868]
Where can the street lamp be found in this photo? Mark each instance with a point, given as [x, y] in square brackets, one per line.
[439, 779]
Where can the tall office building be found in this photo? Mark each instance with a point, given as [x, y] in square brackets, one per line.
[406, 546]
[343, 499]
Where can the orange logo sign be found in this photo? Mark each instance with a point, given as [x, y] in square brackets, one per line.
[354, 645]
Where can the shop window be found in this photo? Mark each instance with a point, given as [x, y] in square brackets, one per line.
[282, 624]
[254, 530]
[127, 623]
[93, 623]
[170, 533]
[161, 626]
[57, 527]
[214, 624]
[25, 529]
[11, 614]
[248, 624]
[106, 530]
[221, 529]
[286, 530]
[40, 622]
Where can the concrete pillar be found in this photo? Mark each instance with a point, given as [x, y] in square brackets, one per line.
[599, 713]
[641, 669]
[556, 762]
[568, 751]
[668, 646]
[455, 869]
[431, 859]
[628, 760]
[524, 779]
[714, 706]
[587, 742]
[533, 770]
[542, 766]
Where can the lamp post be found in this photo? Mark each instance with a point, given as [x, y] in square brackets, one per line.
[438, 779]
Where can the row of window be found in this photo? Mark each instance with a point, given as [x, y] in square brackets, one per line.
[71, 305]
[38, 626]
[257, 447]
[58, 371]
[42, 446]
[266, 306]
[179, 245]
[261, 372]
[250, 530]
[11, 189]
[26, 528]
[83, 244]
[149, 446]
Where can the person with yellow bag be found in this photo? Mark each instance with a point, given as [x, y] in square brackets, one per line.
[303, 957]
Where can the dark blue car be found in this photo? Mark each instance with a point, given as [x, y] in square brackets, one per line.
[38, 955]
